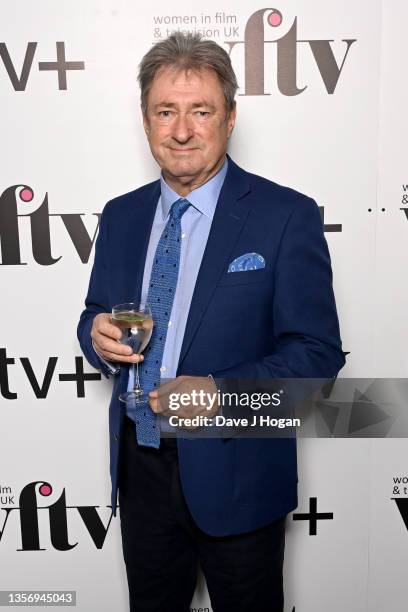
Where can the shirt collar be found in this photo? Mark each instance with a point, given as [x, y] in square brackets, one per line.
[204, 198]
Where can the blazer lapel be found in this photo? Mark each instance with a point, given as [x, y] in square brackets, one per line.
[136, 239]
[137, 242]
[229, 219]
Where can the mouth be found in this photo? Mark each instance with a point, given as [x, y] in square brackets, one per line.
[183, 150]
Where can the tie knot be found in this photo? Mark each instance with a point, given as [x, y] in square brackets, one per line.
[178, 208]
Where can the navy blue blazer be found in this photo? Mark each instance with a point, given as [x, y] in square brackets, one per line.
[276, 322]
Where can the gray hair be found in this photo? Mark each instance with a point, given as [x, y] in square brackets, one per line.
[189, 52]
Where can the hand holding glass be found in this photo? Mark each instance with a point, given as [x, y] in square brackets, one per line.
[136, 324]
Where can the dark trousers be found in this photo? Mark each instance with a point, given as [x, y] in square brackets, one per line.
[162, 545]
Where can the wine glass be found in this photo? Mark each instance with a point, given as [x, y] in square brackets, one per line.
[135, 321]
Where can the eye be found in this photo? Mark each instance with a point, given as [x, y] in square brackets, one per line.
[202, 114]
[164, 114]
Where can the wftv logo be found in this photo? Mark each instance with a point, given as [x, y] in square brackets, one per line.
[61, 66]
[254, 43]
[286, 61]
[58, 513]
[40, 229]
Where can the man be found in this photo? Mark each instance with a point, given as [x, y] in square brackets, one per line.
[221, 502]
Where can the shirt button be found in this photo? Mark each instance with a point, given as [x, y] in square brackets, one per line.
[163, 369]
[169, 323]
[183, 235]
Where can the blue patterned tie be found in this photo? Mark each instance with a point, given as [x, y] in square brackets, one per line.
[160, 296]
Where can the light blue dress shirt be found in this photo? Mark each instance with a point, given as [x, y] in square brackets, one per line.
[195, 227]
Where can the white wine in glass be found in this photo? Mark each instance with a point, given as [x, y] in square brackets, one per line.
[136, 324]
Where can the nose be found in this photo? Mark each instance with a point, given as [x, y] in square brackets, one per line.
[182, 128]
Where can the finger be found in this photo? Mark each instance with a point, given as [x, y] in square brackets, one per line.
[168, 387]
[154, 405]
[121, 358]
[112, 346]
[107, 328]
[158, 407]
[102, 323]
[111, 331]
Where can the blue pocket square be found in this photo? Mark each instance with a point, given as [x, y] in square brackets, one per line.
[247, 262]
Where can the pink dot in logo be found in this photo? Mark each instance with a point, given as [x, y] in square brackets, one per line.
[26, 194]
[45, 490]
[275, 18]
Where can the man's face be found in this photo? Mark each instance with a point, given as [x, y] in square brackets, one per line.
[187, 125]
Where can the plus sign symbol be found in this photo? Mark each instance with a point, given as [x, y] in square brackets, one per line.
[313, 516]
[61, 66]
[79, 376]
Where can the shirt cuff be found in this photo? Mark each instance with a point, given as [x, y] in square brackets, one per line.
[111, 367]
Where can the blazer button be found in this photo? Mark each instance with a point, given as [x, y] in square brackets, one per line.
[115, 437]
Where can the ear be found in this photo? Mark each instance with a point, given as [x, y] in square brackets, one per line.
[145, 122]
[231, 120]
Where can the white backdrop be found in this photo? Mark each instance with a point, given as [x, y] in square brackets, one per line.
[83, 145]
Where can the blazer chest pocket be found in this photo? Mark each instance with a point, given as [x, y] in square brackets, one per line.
[247, 277]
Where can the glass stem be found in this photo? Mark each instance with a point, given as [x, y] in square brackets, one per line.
[137, 388]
